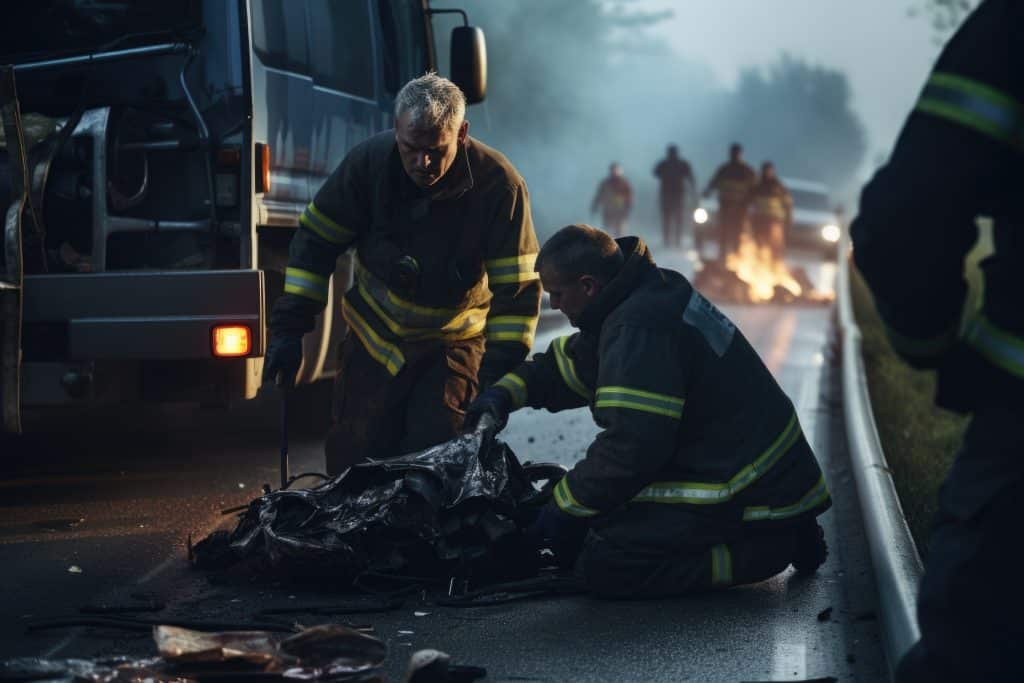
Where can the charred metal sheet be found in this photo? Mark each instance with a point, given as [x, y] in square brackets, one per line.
[454, 509]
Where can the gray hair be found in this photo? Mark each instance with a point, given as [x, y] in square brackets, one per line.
[433, 102]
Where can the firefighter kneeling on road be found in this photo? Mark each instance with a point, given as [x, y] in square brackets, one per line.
[701, 476]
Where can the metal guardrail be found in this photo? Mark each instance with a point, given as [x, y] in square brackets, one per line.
[894, 555]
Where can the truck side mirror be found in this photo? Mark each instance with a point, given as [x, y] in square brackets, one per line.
[469, 62]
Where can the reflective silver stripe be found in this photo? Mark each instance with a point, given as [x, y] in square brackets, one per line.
[306, 283]
[998, 346]
[721, 566]
[510, 270]
[567, 368]
[567, 502]
[699, 493]
[317, 221]
[514, 385]
[809, 501]
[974, 105]
[515, 328]
[635, 399]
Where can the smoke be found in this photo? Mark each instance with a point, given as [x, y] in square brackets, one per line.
[577, 84]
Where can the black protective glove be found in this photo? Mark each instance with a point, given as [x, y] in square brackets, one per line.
[284, 356]
[493, 401]
[559, 532]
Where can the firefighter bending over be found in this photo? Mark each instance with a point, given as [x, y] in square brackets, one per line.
[675, 177]
[445, 293]
[733, 182]
[959, 156]
[771, 212]
[701, 476]
[614, 199]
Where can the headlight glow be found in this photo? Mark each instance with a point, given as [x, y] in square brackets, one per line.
[830, 233]
[700, 216]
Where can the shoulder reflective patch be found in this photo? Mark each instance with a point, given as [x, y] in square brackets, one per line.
[974, 105]
[317, 221]
[717, 329]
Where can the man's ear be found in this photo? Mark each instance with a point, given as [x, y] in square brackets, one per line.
[591, 285]
[463, 132]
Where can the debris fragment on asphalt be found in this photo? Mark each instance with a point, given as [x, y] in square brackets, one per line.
[74, 569]
[455, 509]
[825, 614]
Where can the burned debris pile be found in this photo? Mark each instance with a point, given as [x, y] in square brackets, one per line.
[453, 510]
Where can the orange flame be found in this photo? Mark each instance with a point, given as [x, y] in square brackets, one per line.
[755, 266]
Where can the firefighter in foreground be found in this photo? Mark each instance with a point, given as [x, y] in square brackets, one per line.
[675, 176]
[959, 156]
[614, 199]
[701, 476]
[445, 252]
[771, 212]
[733, 181]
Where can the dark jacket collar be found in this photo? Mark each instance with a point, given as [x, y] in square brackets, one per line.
[638, 269]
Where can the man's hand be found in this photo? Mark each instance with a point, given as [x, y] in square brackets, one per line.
[558, 531]
[493, 401]
[284, 356]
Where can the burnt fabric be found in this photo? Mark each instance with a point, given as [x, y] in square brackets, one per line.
[376, 415]
[691, 418]
[456, 509]
[959, 156]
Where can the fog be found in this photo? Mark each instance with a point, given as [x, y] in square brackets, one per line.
[577, 84]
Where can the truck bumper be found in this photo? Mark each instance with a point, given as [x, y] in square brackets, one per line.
[115, 337]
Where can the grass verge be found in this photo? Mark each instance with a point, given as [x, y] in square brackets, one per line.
[919, 439]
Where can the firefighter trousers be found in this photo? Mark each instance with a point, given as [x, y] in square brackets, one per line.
[769, 233]
[971, 598]
[377, 415]
[649, 550]
[672, 214]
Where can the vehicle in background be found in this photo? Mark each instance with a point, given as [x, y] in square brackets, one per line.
[815, 224]
[169, 151]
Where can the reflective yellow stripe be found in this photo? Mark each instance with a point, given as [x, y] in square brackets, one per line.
[998, 346]
[697, 493]
[809, 501]
[974, 105]
[412, 321]
[307, 284]
[316, 220]
[467, 328]
[515, 386]
[513, 269]
[721, 566]
[568, 503]
[635, 399]
[567, 368]
[384, 352]
[514, 328]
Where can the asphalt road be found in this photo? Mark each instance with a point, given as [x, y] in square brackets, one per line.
[97, 509]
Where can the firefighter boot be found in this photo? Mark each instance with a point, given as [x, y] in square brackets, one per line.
[811, 550]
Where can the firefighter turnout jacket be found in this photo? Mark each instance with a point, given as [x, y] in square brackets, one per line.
[959, 156]
[448, 263]
[770, 200]
[733, 181]
[689, 413]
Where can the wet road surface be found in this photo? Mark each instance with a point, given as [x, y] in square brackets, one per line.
[97, 509]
